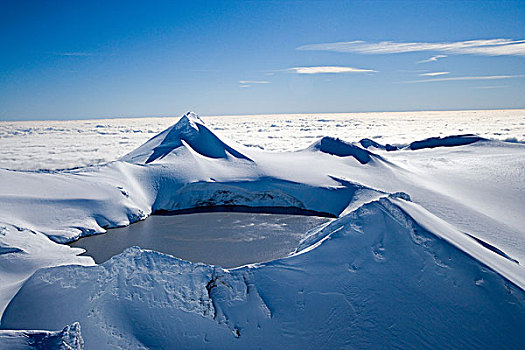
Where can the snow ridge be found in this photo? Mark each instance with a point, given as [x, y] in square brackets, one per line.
[447, 141]
[340, 148]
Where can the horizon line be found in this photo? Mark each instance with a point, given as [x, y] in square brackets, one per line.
[261, 114]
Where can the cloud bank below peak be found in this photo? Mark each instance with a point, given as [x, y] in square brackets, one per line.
[484, 47]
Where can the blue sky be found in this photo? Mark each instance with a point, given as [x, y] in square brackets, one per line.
[72, 59]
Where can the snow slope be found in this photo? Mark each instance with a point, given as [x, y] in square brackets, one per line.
[377, 279]
[428, 244]
[68, 338]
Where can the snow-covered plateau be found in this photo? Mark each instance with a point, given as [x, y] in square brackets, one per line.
[426, 249]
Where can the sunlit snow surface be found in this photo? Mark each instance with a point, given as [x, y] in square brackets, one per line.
[66, 144]
[426, 249]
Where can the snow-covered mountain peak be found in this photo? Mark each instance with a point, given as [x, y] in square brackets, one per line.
[188, 123]
[189, 132]
[192, 116]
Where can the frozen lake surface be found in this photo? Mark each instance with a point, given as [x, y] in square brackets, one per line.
[225, 239]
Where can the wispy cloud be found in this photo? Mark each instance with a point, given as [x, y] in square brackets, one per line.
[78, 54]
[433, 74]
[488, 47]
[412, 70]
[329, 69]
[490, 87]
[483, 77]
[432, 59]
[203, 70]
[250, 82]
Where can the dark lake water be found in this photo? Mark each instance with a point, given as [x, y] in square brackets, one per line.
[224, 239]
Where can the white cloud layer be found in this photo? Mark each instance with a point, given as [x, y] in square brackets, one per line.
[488, 47]
[329, 69]
[482, 77]
[433, 74]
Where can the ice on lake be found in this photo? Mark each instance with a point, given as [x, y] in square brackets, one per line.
[225, 239]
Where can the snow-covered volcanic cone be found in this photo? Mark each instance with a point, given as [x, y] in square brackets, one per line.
[426, 251]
